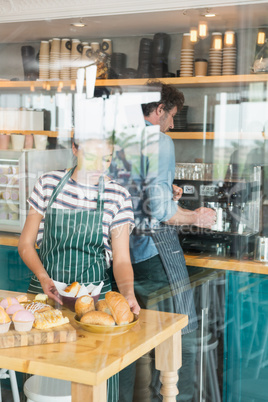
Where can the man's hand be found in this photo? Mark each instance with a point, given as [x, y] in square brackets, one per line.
[205, 217]
[177, 192]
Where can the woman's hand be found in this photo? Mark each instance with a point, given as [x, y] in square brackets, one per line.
[49, 289]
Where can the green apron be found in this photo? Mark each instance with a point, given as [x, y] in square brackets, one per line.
[73, 250]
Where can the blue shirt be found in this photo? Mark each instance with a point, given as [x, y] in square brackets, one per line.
[153, 202]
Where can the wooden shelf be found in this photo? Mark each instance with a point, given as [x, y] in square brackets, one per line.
[187, 135]
[226, 264]
[61, 133]
[177, 81]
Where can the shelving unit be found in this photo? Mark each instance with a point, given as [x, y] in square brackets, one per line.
[182, 82]
[178, 81]
[39, 132]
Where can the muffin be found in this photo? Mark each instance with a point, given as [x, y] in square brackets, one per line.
[23, 320]
[9, 301]
[4, 321]
[12, 309]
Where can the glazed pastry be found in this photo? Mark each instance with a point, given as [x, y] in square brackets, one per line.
[37, 306]
[49, 319]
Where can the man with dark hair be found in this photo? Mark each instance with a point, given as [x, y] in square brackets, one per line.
[160, 275]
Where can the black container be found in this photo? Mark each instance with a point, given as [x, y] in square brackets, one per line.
[30, 64]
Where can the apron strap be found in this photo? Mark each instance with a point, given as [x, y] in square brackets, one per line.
[100, 199]
[59, 186]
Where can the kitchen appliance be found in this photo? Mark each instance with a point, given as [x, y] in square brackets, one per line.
[261, 249]
[19, 171]
[237, 202]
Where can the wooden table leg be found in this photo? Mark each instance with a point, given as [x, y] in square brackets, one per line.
[89, 393]
[168, 361]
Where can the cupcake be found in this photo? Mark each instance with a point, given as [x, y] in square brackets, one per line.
[9, 301]
[12, 309]
[23, 320]
[4, 321]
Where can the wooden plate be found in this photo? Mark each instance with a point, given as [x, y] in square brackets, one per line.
[103, 329]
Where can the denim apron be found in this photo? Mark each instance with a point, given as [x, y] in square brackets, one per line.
[72, 250]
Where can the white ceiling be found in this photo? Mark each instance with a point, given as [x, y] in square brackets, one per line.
[229, 17]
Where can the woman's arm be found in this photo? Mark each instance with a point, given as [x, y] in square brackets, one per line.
[122, 268]
[29, 255]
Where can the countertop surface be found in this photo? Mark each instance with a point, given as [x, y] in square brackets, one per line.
[200, 260]
[93, 358]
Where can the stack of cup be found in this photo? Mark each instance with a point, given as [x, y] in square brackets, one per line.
[229, 54]
[215, 54]
[76, 54]
[86, 56]
[54, 59]
[187, 56]
[65, 59]
[107, 46]
[44, 60]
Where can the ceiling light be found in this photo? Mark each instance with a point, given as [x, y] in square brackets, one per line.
[210, 15]
[79, 24]
[261, 38]
[202, 29]
[193, 35]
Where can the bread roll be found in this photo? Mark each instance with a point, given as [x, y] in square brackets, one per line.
[84, 304]
[98, 318]
[101, 305]
[73, 288]
[119, 307]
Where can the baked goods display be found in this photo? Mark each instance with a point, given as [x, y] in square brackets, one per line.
[114, 310]
[26, 315]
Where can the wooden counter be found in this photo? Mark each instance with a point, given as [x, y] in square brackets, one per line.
[90, 360]
[9, 239]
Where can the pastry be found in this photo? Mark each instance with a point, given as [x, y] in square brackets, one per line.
[84, 304]
[49, 319]
[22, 298]
[98, 318]
[101, 305]
[119, 308]
[23, 320]
[73, 289]
[41, 298]
[37, 306]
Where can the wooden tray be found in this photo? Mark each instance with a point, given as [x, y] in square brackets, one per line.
[12, 338]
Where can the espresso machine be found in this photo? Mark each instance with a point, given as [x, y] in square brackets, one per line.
[236, 200]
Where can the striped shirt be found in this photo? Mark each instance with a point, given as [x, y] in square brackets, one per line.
[117, 203]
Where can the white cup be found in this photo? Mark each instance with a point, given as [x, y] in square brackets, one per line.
[17, 141]
[40, 142]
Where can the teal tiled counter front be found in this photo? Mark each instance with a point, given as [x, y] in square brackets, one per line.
[14, 273]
